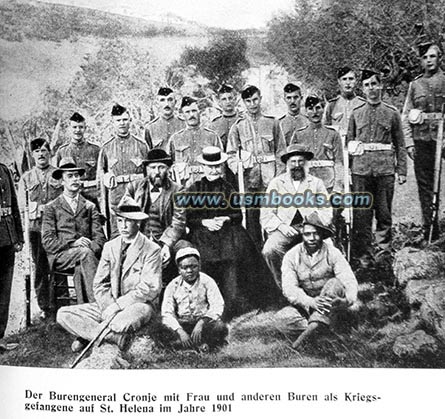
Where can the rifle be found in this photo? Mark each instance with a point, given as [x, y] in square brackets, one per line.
[29, 272]
[241, 187]
[437, 174]
[348, 210]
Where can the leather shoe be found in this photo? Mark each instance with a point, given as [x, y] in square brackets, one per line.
[122, 340]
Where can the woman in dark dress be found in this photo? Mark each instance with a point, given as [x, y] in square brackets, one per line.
[228, 254]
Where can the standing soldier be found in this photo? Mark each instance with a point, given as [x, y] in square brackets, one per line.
[293, 120]
[423, 105]
[258, 140]
[325, 143]
[186, 145]
[41, 188]
[121, 160]
[11, 241]
[375, 142]
[339, 110]
[159, 131]
[84, 154]
[221, 124]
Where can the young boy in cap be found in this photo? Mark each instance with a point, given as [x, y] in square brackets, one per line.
[126, 285]
[193, 305]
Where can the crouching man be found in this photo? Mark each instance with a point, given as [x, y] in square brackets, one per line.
[193, 305]
[126, 286]
[316, 279]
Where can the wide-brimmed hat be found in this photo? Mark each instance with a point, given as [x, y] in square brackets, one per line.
[128, 208]
[158, 155]
[297, 150]
[185, 252]
[314, 219]
[67, 164]
[212, 156]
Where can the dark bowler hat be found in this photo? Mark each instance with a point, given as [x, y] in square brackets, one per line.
[225, 88]
[291, 87]
[211, 156]
[67, 165]
[128, 208]
[39, 143]
[314, 219]
[158, 155]
[164, 91]
[297, 150]
[342, 71]
[187, 101]
[118, 110]
[77, 117]
[368, 73]
[249, 91]
[311, 100]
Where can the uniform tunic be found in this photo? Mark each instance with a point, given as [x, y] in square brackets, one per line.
[290, 123]
[373, 171]
[339, 111]
[159, 131]
[427, 94]
[326, 145]
[221, 124]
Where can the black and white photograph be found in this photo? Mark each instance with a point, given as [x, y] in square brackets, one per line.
[222, 184]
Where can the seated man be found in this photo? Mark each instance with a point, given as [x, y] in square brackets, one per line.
[126, 286]
[165, 223]
[282, 222]
[193, 305]
[316, 280]
[71, 227]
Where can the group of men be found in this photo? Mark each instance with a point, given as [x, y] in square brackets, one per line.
[126, 188]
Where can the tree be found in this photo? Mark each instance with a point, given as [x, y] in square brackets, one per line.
[222, 61]
[316, 39]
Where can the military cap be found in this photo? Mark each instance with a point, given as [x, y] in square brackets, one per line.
[225, 88]
[38, 143]
[77, 117]
[249, 91]
[314, 219]
[187, 101]
[185, 252]
[368, 73]
[424, 47]
[67, 164]
[291, 87]
[158, 155]
[118, 110]
[164, 91]
[297, 150]
[311, 100]
[343, 70]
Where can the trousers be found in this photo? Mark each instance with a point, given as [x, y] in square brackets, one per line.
[7, 257]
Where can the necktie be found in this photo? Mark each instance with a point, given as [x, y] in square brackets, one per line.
[124, 249]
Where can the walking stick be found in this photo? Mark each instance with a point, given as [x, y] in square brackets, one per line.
[29, 264]
[348, 210]
[437, 173]
[98, 337]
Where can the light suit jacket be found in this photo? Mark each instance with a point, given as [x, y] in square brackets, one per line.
[139, 281]
[271, 217]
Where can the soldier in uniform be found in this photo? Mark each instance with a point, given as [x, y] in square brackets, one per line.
[377, 147]
[426, 95]
[325, 143]
[41, 188]
[84, 154]
[339, 110]
[121, 160]
[186, 145]
[258, 139]
[221, 124]
[293, 120]
[11, 241]
[160, 129]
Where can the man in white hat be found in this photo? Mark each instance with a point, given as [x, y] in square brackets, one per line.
[193, 305]
[126, 286]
